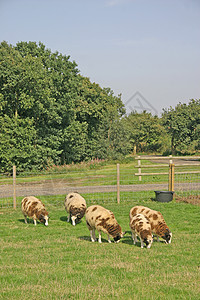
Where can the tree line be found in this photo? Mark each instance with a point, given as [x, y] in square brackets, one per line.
[50, 114]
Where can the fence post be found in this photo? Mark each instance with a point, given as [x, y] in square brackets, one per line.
[134, 150]
[118, 184]
[171, 177]
[173, 168]
[14, 187]
[139, 169]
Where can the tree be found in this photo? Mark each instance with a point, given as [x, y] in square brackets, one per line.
[79, 103]
[25, 88]
[146, 132]
[66, 114]
[182, 124]
[17, 138]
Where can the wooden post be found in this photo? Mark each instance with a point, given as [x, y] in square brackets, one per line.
[139, 169]
[173, 168]
[118, 184]
[171, 177]
[14, 187]
[134, 150]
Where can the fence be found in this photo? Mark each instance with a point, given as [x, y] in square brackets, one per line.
[184, 174]
[117, 183]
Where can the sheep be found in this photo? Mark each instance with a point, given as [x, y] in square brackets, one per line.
[158, 224]
[34, 208]
[141, 227]
[103, 220]
[75, 205]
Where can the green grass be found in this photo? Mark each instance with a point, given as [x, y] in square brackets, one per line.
[60, 261]
[103, 174]
[104, 198]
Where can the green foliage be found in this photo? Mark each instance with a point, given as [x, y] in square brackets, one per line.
[146, 132]
[51, 115]
[183, 126]
[65, 112]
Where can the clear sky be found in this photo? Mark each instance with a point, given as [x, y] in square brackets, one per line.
[147, 50]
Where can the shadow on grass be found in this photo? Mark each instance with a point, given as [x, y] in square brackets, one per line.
[85, 238]
[130, 242]
[88, 238]
[64, 219]
[29, 221]
[21, 220]
[127, 241]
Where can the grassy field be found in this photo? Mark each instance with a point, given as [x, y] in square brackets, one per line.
[60, 261]
[102, 174]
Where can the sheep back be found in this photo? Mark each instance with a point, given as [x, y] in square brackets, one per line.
[140, 226]
[156, 219]
[34, 208]
[102, 219]
[75, 205]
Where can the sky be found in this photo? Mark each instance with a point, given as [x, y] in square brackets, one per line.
[146, 50]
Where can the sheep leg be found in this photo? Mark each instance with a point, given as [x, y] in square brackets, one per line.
[142, 244]
[73, 218]
[68, 218]
[25, 219]
[100, 237]
[35, 222]
[109, 241]
[92, 234]
[134, 237]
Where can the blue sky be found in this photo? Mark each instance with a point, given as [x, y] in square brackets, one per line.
[147, 50]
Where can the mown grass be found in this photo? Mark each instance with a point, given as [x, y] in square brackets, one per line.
[60, 261]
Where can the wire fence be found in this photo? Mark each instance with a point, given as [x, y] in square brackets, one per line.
[187, 187]
[108, 184]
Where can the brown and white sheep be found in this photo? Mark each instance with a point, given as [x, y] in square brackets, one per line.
[75, 205]
[140, 226]
[158, 224]
[34, 208]
[103, 220]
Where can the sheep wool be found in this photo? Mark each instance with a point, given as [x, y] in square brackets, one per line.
[103, 220]
[141, 227]
[75, 205]
[158, 224]
[35, 209]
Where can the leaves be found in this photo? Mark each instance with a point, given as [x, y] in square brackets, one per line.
[182, 124]
[50, 114]
[67, 111]
[146, 132]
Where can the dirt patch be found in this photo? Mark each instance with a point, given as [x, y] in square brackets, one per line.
[192, 199]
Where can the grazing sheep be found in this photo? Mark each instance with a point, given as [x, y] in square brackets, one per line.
[158, 224]
[103, 220]
[141, 227]
[75, 205]
[34, 208]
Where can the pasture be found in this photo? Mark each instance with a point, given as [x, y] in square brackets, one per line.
[60, 261]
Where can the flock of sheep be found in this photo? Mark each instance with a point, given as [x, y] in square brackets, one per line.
[144, 222]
